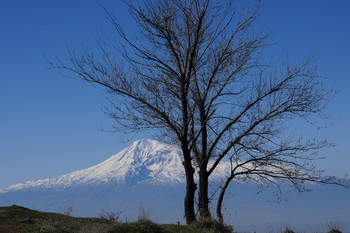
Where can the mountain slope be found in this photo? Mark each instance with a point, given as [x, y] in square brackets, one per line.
[145, 161]
[147, 172]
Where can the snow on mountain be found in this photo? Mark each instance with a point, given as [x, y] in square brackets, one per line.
[151, 173]
[147, 171]
[145, 161]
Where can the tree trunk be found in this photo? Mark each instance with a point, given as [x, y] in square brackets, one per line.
[189, 198]
[220, 200]
[203, 200]
[191, 186]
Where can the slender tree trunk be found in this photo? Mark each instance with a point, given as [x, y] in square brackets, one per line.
[203, 200]
[220, 200]
[191, 186]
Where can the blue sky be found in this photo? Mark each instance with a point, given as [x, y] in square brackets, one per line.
[49, 124]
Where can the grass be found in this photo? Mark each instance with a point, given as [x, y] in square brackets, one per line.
[16, 219]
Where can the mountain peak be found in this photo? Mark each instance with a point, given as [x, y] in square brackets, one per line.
[144, 161]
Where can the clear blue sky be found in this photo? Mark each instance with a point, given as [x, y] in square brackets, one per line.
[49, 124]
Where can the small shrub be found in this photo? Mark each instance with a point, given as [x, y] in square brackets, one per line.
[334, 227]
[68, 210]
[143, 213]
[209, 225]
[111, 217]
[334, 231]
[288, 230]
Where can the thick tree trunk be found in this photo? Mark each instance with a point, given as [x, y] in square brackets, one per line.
[203, 200]
[191, 186]
[220, 200]
[189, 197]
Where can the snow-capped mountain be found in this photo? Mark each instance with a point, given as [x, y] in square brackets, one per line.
[122, 181]
[145, 161]
[147, 171]
[150, 173]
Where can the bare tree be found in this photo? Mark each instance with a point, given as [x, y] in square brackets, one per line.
[195, 74]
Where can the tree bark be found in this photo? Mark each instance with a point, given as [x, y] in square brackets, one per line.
[220, 200]
[191, 186]
[203, 200]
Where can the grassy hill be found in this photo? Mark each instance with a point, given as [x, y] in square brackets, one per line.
[16, 219]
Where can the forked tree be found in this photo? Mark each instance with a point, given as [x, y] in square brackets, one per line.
[196, 74]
